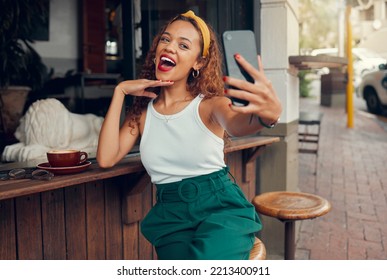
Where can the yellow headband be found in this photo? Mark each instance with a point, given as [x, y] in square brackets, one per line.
[203, 28]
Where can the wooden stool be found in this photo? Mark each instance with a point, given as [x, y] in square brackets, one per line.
[289, 207]
[308, 139]
[259, 251]
[307, 119]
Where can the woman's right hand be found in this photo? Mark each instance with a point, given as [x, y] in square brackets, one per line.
[142, 87]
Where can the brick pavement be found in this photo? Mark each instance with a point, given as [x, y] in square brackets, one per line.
[352, 175]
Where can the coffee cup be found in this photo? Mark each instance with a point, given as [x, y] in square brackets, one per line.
[66, 158]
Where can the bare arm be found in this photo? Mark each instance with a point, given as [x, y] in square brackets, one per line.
[263, 102]
[115, 142]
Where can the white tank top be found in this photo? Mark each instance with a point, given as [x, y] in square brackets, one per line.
[179, 146]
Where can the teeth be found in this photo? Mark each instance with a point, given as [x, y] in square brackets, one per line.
[167, 60]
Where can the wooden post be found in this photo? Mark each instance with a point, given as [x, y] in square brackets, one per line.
[350, 110]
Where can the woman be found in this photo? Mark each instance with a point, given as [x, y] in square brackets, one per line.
[181, 113]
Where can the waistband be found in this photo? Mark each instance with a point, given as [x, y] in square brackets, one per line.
[190, 189]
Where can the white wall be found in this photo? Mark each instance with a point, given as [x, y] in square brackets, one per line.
[62, 49]
[279, 40]
[376, 41]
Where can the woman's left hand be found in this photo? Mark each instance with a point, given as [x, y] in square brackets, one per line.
[262, 98]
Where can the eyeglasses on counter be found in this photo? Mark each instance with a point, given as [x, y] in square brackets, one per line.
[25, 173]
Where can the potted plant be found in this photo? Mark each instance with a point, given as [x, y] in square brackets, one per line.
[21, 67]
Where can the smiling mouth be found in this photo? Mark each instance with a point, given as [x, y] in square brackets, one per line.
[166, 64]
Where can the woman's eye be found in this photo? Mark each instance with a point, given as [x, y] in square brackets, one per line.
[184, 46]
[164, 39]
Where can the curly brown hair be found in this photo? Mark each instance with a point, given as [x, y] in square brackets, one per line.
[209, 83]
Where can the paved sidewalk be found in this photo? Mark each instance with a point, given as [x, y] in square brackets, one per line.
[352, 175]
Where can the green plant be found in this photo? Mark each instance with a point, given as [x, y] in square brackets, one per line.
[304, 83]
[20, 64]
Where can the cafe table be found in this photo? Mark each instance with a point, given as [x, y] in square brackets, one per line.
[96, 213]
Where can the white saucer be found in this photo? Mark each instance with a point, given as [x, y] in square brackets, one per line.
[64, 170]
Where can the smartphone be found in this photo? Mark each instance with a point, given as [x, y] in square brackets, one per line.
[242, 42]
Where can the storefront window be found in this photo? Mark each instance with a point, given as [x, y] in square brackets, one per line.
[151, 15]
[220, 14]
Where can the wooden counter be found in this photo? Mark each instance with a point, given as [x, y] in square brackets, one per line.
[96, 214]
[15, 188]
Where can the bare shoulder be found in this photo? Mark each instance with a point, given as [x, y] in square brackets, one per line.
[216, 103]
[216, 110]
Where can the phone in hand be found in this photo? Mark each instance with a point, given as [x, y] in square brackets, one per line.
[242, 42]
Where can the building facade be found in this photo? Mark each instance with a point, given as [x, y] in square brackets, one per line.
[370, 25]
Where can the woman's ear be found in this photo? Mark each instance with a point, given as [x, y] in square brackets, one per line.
[200, 62]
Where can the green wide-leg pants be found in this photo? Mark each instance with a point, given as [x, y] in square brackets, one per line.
[202, 218]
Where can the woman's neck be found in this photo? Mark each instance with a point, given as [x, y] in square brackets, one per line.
[173, 94]
[172, 99]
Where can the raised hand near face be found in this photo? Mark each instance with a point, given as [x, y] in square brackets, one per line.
[262, 98]
[142, 87]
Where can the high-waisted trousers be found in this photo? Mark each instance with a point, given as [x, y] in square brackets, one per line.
[202, 218]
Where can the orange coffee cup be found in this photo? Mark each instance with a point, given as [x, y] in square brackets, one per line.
[66, 158]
